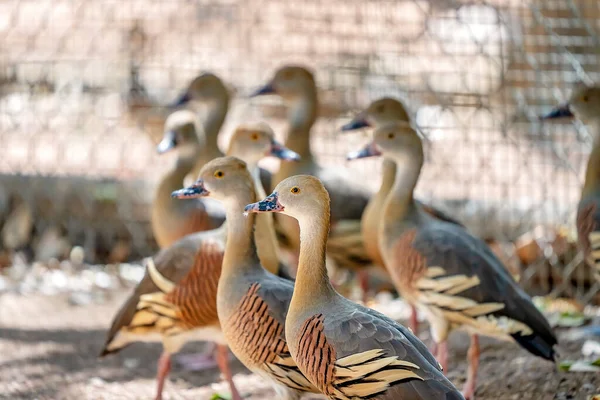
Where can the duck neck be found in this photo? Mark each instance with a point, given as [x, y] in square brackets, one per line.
[240, 249]
[302, 114]
[388, 176]
[183, 165]
[264, 233]
[312, 282]
[213, 123]
[400, 201]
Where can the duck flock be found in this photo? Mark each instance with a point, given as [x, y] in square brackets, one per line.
[252, 276]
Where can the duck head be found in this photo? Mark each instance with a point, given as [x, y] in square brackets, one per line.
[380, 112]
[297, 196]
[206, 87]
[395, 141]
[223, 179]
[180, 134]
[253, 141]
[290, 82]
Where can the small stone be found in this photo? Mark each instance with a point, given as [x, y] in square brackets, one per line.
[590, 348]
[80, 298]
[58, 278]
[97, 381]
[103, 280]
[131, 363]
[53, 263]
[588, 387]
[132, 272]
[4, 285]
[77, 255]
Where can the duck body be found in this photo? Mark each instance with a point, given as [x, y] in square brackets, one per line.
[252, 303]
[346, 350]
[457, 281]
[253, 320]
[352, 343]
[588, 213]
[588, 228]
[175, 302]
[193, 264]
[441, 269]
[584, 104]
[173, 219]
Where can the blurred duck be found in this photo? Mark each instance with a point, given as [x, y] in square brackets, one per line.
[346, 350]
[251, 302]
[585, 105]
[296, 85]
[176, 301]
[173, 219]
[18, 226]
[381, 112]
[209, 90]
[449, 275]
[251, 142]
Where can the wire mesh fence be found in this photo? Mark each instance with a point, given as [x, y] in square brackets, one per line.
[83, 86]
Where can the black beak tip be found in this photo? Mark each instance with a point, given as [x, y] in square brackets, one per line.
[267, 89]
[557, 113]
[182, 100]
[354, 125]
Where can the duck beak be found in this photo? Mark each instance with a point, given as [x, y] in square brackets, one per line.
[191, 192]
[182, 100]
[270, 204]
[563, 111]
[358, 122]
[283, 153]
[370, 150]
[168, 142]
[267, 89]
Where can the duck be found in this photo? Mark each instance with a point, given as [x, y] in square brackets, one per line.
[176, 301]
[296, 85]
[251, 302]
[172, 219]
[448, 274]
[210, 90]
[584, 104]
[380, 112]
[346, 350]
[250, 142]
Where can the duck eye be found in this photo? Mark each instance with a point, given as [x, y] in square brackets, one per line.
[390, 135]
[295, 190]
[254, 136]
[585, 98]
[380, 108]
[219, 174]
[287, 75]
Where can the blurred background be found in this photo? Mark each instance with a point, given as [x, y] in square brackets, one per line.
[83, 85]
[83, 90]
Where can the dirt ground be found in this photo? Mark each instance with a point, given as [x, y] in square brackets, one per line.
[48, 350]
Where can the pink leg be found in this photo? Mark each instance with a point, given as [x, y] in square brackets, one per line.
[363, 279]
[222, 358]
[473, 357]
[414, 320]
[442, 355]
[164, 366]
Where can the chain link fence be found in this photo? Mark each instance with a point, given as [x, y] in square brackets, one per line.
[83, 86]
